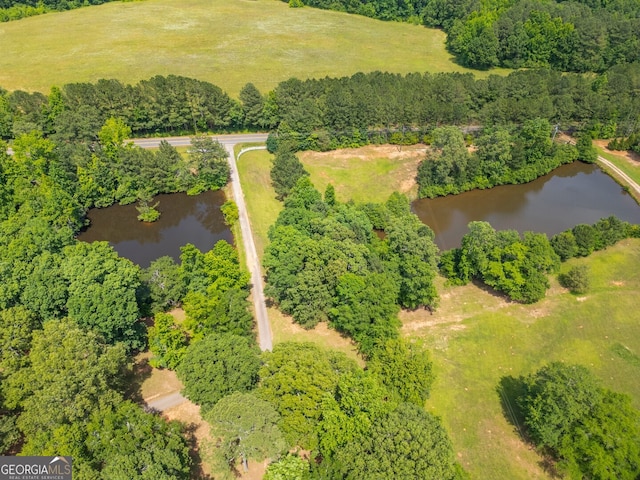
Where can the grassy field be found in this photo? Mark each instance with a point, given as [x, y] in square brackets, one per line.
[367, 174]
[477, 338]
[225, 42]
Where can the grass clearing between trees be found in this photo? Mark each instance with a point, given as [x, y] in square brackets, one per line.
[223, 42]
[477, 337]
[366, 174]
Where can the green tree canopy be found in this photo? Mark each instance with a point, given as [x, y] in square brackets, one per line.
[17, 325]
[165, 283]
[127, 443]
[217, 366]
[167, 341]
[359, 402]
[72, 374]
[295, 378]
[286, 171]
[102, 292]
[592, 431]
[208, 161]
[406, 443]
[248, 427]
[404, 368]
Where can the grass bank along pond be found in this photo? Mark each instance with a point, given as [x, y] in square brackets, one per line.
[184, 219]
[570, 195]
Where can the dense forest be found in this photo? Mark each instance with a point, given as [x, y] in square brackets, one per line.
[576, 36]
[17, 9]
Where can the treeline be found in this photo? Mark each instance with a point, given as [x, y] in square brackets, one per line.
[381, 108]
[325, 263]
[632, 142]
[328, 113]
[501, 156]
[519, 265]
[17, 9]
[77, 176]
[401, 10]
[589, 431]
[352, 422]
[576, 36]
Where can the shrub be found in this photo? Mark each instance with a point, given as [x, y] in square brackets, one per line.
[577, 279]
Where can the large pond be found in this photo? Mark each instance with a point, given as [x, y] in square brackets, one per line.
[572, 194]
[183, 220]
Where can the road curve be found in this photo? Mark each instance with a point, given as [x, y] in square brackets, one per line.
[253, 262]
[629, 182]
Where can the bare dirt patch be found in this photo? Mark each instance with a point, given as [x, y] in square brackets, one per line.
[178, 314]
[201, 452]
[198, 432]
[632, 158]
[154, 382]
[456, 305]
[369, 152]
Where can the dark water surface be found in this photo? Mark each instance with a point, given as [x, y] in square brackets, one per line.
[572, 194]
[183, 220]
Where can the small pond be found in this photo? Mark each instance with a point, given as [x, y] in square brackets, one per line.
[183, 220]
[572, 194]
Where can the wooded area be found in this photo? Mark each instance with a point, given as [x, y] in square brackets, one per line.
[576, 36]
[329, 113]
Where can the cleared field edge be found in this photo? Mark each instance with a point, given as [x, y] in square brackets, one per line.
[226, 43]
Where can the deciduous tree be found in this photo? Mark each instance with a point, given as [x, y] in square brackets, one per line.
[217, 366]
[248, 427]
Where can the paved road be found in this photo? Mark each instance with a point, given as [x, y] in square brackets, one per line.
[165, 402]
[233, 139]
[253, 262]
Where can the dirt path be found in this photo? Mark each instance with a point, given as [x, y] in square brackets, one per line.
[253, 262]
[626, 179]
[167, 401]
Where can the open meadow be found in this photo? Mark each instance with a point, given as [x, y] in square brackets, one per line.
[228, 43]
[477, 337]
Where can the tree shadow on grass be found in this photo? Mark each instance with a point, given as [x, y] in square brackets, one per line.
[135, 378]
[492, 291]
[510, 389]
[195, 452]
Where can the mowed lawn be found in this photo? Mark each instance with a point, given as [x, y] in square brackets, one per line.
[226, 42]
[477, 338]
